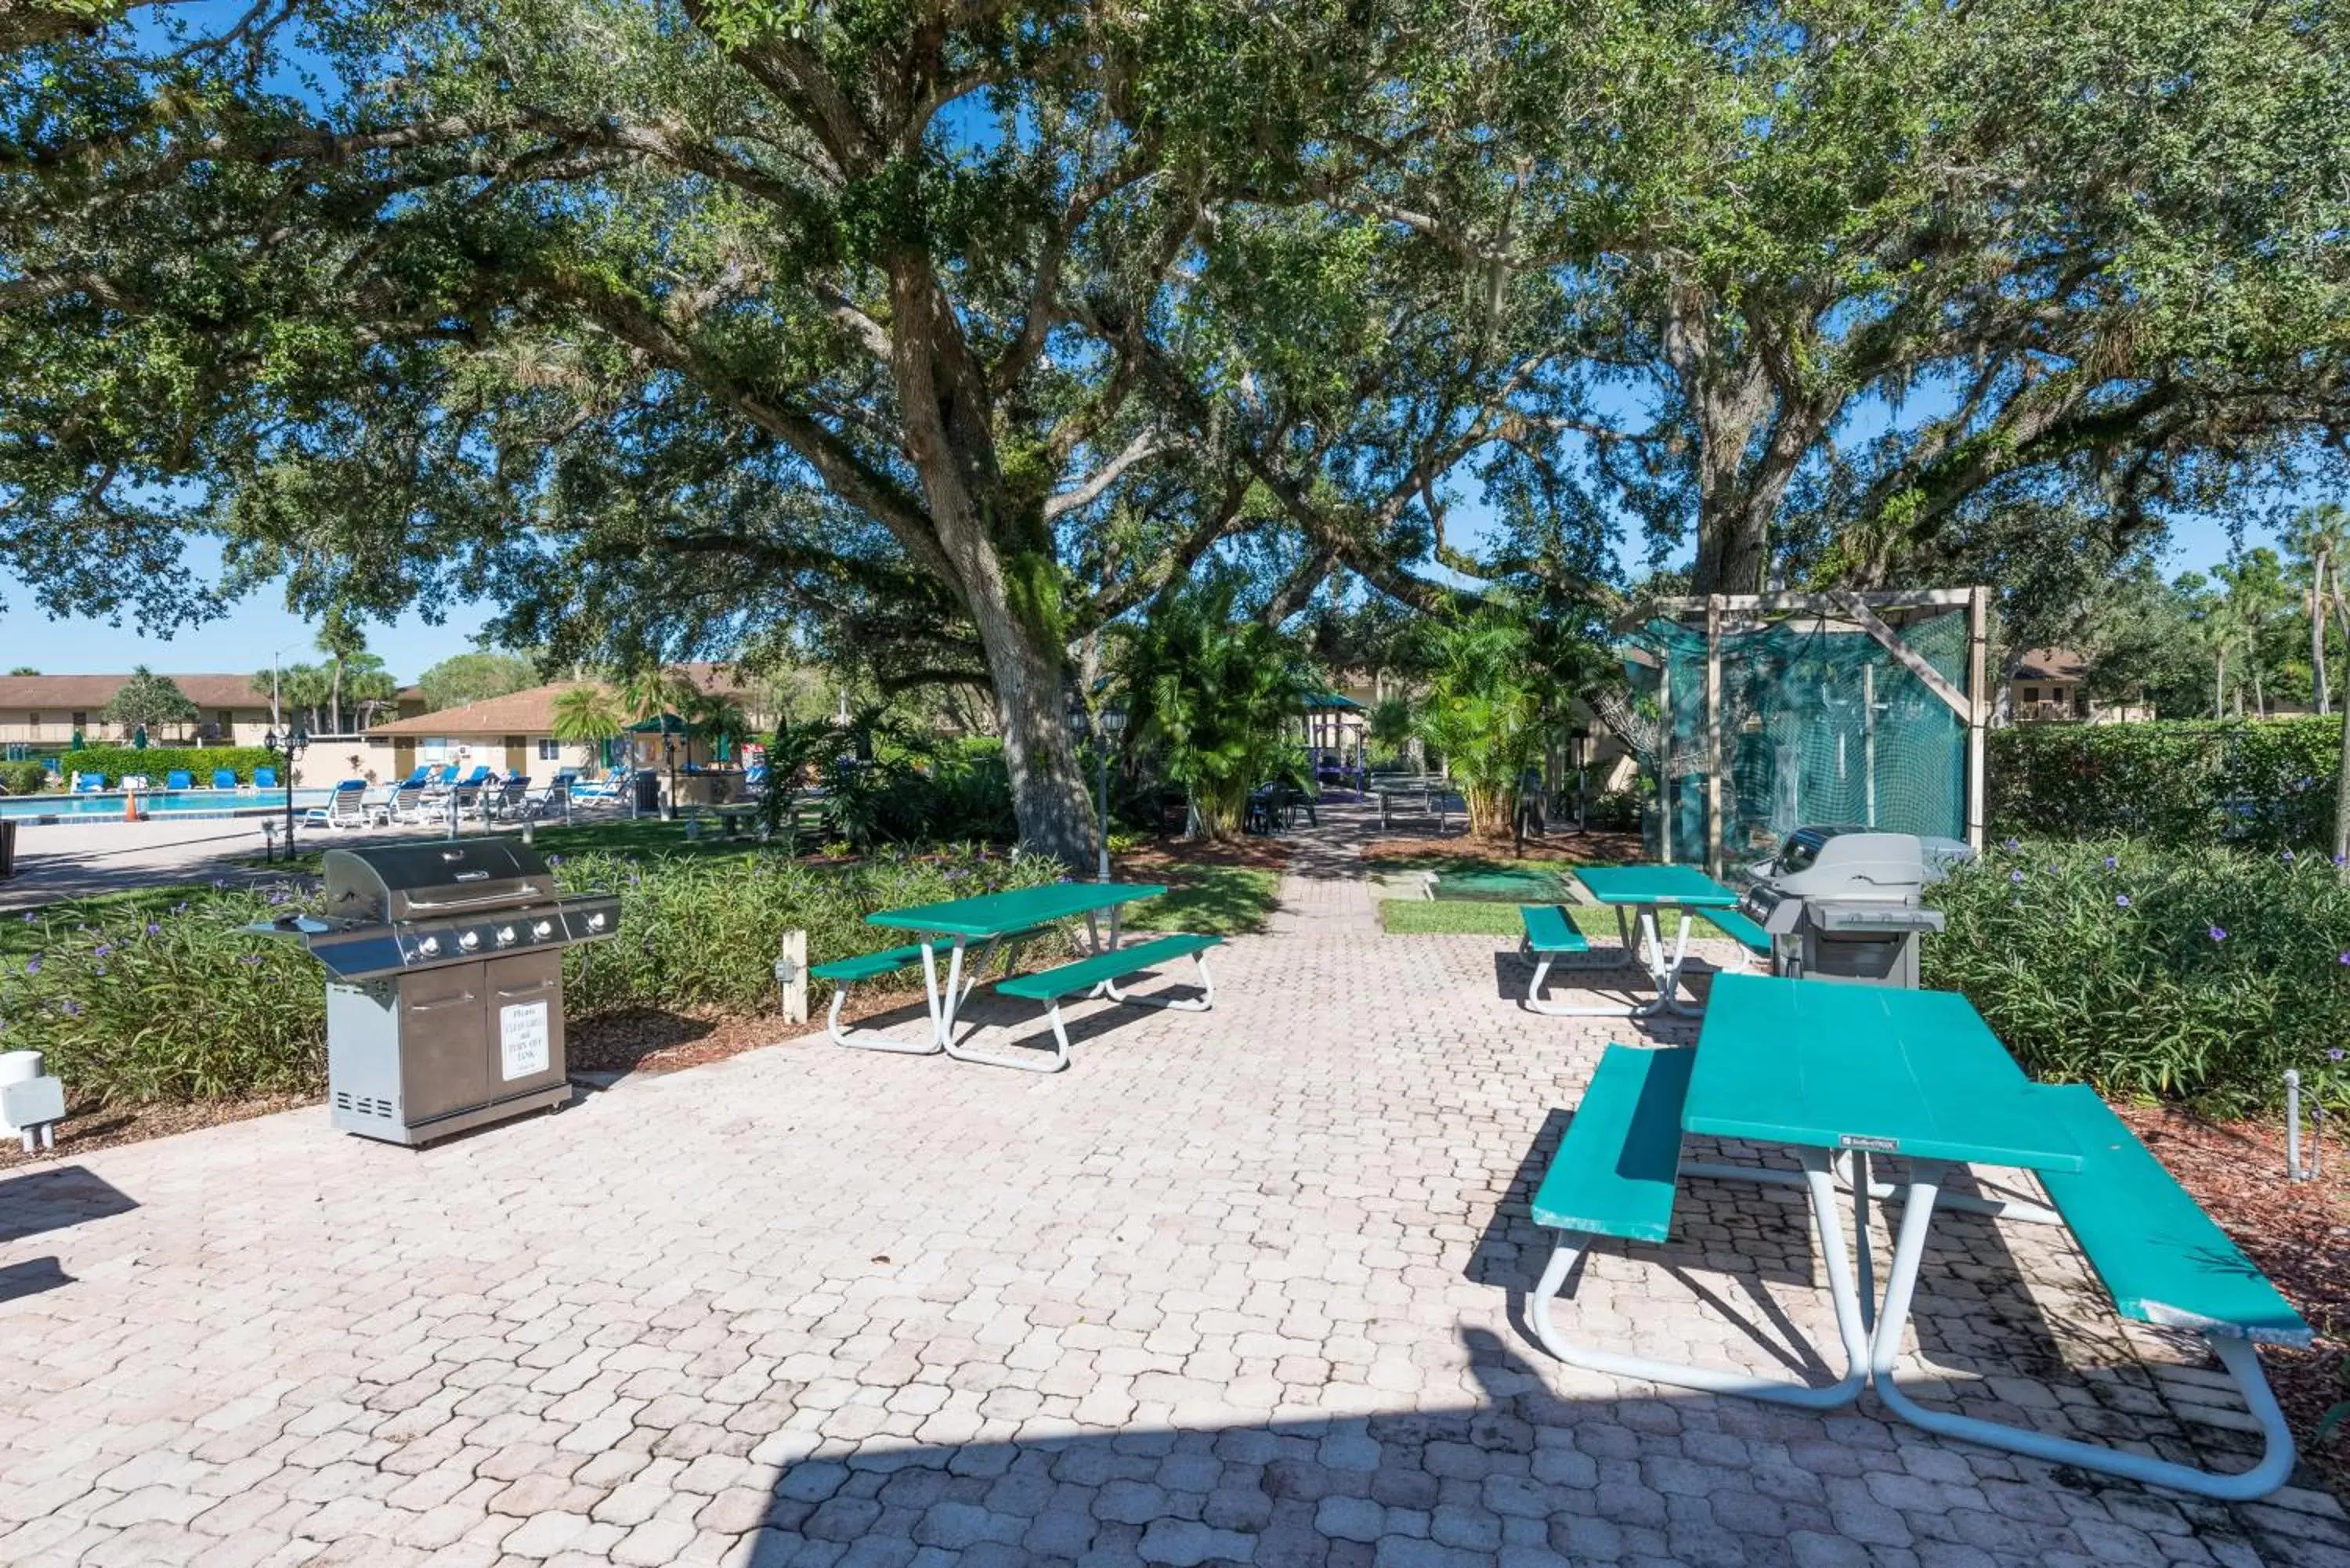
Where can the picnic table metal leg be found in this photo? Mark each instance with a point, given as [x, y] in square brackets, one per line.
[878, 1041]
[2238, 1355]
[1820, 1184]
[1202, 1002]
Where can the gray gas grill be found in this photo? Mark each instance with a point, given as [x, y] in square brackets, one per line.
[1845, 904]
[444, 989]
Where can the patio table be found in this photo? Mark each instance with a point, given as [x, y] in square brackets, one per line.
[1863, 1069]
[1647, 889]
[993, 917]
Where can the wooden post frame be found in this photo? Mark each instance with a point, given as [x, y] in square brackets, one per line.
[1715, 836]
[1973, 706]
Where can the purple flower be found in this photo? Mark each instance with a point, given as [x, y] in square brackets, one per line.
[73, 1008]
[2336, 1054]
[2338, 860]
[2344, 959]
[2219, 933]
[555, 860]
[153, 929]
[2013, 846]
[280, 896]
[220, 881]
[102, 950]
[2112, 863]
[2016, 876]
[2288, 857]
[33, 964]
[248, 958]
[2121, 901]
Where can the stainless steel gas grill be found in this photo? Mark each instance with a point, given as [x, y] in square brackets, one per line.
[444, 990]
[1844, 903]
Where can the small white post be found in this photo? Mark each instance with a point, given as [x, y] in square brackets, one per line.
[791, 976]
[2292, 1167]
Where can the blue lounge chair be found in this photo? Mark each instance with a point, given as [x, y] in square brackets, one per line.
[223, 778]
[264, 778]
[178, 778]
[89, 784]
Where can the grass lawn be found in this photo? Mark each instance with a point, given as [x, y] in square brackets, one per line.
[1451, 917]
[1211, 900]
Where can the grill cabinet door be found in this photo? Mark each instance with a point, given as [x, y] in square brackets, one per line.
[524, 1022]
[443, 1057]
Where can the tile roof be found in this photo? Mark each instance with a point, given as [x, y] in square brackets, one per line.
[93, 693]
[2052, 664]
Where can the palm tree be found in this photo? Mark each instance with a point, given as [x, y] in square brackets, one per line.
[1215, 694]
[341, 640]
[1484, 711]
[586, 715]
[2316, 542]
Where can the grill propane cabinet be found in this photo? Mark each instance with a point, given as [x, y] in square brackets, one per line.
[1845, 904]
[444, 988]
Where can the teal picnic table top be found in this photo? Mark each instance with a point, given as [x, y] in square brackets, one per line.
[1914, 1073]
[1682, 885]
[995, 914]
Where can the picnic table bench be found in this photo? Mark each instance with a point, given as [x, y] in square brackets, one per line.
[1017, 917]
[1550, 933]
[1861, 1073]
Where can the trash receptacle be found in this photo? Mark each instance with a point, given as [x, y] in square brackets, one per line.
[648, 787]
[7, 850]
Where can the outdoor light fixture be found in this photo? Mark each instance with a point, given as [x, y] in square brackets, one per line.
[290, 745]
[1110, 723]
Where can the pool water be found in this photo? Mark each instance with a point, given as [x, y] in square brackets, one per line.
[1503, 886]
[108, 803]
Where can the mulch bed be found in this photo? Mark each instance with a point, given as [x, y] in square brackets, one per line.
[1173, 855]
[2299, 1234]
[88, 1128]
[1596, 847]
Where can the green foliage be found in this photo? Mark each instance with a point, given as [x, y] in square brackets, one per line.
[24, 778]
[1485, 711]
[156, 762]
[1214, 697]
[2156, 970]
[152, 700]
[585, 714]
[2187, 782]
[133, 1001]
[473, 677]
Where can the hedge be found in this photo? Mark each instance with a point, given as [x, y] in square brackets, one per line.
[2155, 971]
[2263, 784]
[157, 762]
[184, 1003]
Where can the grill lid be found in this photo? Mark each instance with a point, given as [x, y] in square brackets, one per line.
[397, 882]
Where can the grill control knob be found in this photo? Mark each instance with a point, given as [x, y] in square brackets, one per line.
[429, 948]
[541, 929]
[467, 941]
[595, 922]
[505, 936]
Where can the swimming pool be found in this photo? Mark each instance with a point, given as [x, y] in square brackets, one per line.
[107, 805]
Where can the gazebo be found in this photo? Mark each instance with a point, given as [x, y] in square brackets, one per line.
[1333, 727]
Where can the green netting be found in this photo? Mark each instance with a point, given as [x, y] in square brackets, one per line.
[1821, 725]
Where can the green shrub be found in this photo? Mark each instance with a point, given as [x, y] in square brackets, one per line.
[185, 1004]
[24, 778]
[2265, 785]
[157, 762]
[2197, 974]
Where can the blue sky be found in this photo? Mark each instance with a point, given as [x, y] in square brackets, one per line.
[245, 638]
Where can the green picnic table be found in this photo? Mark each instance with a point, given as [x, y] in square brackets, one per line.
[993, 918]
[1638, 892]
[1862, 1072]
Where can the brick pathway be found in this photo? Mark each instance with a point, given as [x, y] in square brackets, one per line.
[1241, 1287]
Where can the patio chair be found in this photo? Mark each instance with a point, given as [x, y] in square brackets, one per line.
[501, 797]
[264, 778]
[223, 778]
[89, 784]
[178, 778]
[346, 808]
[406, 804]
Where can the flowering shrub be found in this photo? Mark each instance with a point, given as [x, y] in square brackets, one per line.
[186, 1005]
[2266, 785]
[2193, 974]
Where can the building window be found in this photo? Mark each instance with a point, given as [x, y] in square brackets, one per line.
[2032, 694]
[550, 750]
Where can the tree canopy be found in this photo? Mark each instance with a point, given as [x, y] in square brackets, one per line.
[464, 678]
[936, 336]
[149, 700]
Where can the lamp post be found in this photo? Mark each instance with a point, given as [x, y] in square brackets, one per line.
[290, 745]
[1578, 752]
[1112, 723]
